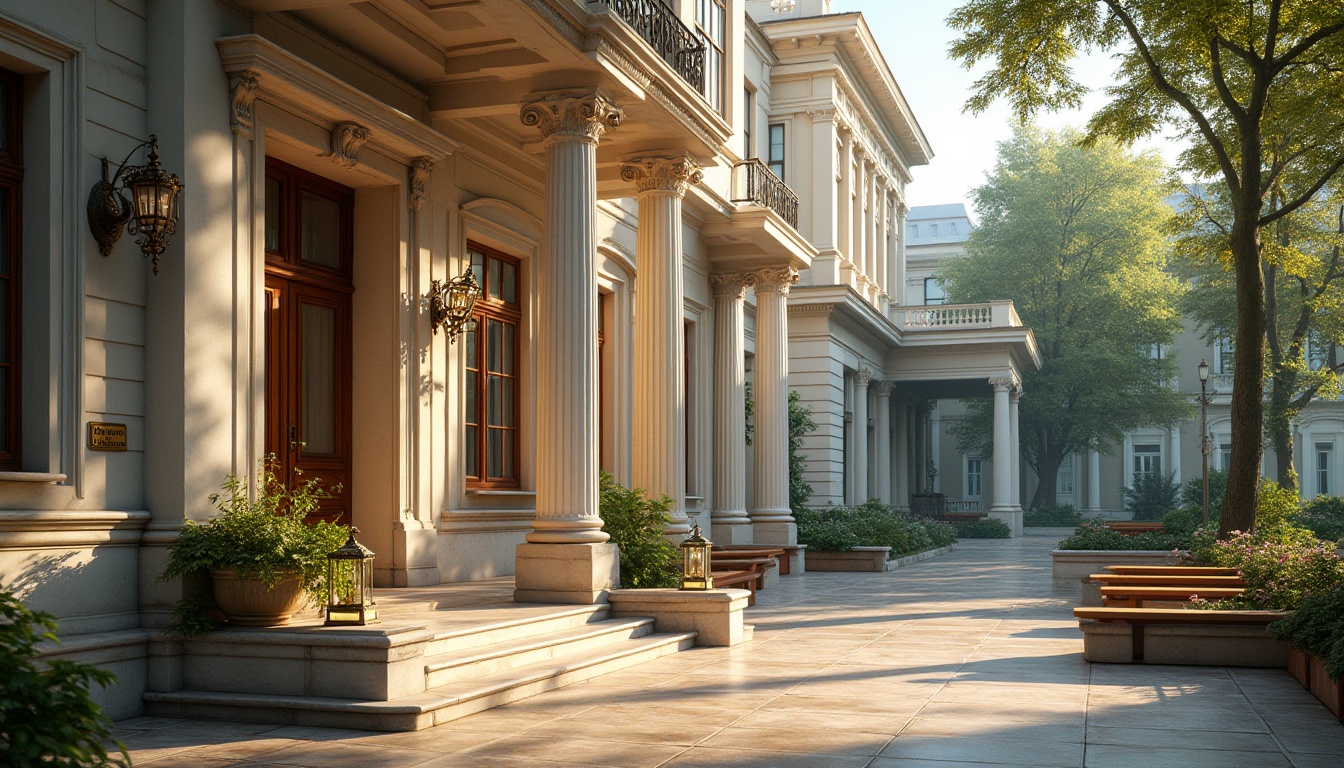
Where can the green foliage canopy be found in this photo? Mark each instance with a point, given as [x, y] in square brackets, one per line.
[1074, 237]
[1252, 85]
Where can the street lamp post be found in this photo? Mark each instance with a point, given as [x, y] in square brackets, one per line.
[1204, 430]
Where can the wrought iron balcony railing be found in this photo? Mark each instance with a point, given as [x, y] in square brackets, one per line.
[754, 182]
[660, 28]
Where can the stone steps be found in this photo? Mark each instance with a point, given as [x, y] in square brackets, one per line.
[435, 706]
[420, 667]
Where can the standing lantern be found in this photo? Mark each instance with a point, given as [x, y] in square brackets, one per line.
[350, 585]
[695, 561]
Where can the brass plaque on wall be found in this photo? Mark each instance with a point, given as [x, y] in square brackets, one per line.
[107, 437]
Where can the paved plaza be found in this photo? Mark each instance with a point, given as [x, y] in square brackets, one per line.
[967, 659]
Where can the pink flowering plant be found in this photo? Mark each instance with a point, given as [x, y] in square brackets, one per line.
[1279, 570]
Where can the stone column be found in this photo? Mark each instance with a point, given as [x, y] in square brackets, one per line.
[1002, 507]
[844, 214]
[567, 558]
[825, 211]
[1175, 470]
[860, 239]
[898, 257]
[880, 242]
[858, 473]
[871, 224]
[771, 518]
[901, 476]
[1094, 480]
[881, 477]
[659, 432]
[1017, 448]
[935, 445]
[729, 523]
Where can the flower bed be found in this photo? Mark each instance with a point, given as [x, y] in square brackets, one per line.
[872, 524]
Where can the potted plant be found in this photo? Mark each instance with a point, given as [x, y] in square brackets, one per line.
[265, 560]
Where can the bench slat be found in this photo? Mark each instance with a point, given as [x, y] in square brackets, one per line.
[1127, 580]
[1171, 570]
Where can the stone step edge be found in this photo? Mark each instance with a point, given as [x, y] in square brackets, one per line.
[435, 698]
[559, 637]
[479, 629]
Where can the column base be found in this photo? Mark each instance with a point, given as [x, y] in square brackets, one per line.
[1010, 516]
[737, 531]
[566, 573]
[775, 533]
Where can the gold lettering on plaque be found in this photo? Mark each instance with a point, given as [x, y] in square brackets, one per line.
[107, 437]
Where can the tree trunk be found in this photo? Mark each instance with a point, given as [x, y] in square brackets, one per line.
[1248, 379]
[1047, 475]
[1280, 427]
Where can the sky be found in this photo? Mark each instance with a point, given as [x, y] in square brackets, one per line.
[914, 40]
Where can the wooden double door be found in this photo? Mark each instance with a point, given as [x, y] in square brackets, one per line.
[308, 331]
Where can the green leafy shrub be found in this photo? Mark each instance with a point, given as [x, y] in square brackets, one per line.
[1192, 495]
[636, 526]
[984, 528]
[1317, 627]
[1279, 574]
[1052, 516]
[46, 715]
[1180, 521]
[800, 423]
[1324, 516]
[871, 524]
[1152, 495]
[263, 537]
[1095, 535]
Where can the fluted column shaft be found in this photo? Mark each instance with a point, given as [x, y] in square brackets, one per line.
[858, 473]
[729, 521]
[566, 344]
[901, 478]
[771, 516]
[1003, 447]
[659, 452]
[1016, 446]
[860, 255]
[881, 485]
[845, 209]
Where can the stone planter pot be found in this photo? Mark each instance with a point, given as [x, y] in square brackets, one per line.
[858, 559]
[249, 603]
[1299, 666]
[1071, 567]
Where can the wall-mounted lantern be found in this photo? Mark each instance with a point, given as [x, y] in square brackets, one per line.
[451, 303]
[152, 212]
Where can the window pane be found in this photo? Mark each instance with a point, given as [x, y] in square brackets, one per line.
[319, 379]
[5, 320]
[473, 450]
[509, 470]
[473, 399]
[510, 351]
[509, 278]
[492, 284]
[273, 214]
[473, 348]
[6, 94]
[498, 401]
[5, 225]
[494, 346]
[494, 453]
[5, 447]
[320, 236]
[477, 266]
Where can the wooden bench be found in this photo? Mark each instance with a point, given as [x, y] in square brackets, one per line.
[1135, 597]
[790, 551]
[740, 551]
[1158, 580]
[744, 579]
[757, 565]
[1130, 528]
[1171, 570]
[1139, 619]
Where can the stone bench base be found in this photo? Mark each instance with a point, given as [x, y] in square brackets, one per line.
[1213, 645]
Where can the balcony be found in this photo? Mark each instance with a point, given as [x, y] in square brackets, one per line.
[754, 182]
[662, 30]
[952, 317]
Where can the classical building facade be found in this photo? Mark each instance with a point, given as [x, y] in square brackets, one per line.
[609, 171]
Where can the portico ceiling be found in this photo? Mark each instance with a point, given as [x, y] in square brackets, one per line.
[478, 60]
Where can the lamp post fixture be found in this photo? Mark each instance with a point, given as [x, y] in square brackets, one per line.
[152, 212]
[451, 303]
[1204, 430]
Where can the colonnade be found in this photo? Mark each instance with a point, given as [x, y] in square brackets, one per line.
[567, 557]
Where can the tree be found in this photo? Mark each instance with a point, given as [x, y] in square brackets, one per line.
[1232, 77]
[1304, 299]
[1074, 237]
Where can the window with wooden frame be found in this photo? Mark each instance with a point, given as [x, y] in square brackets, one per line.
[491, 403]
[11, 254]
[710, 27]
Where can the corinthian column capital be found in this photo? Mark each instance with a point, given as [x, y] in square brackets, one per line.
[863, 377]
[583, 115]
[661, 173]
[1002, 383]
[775, 279]
[731, 284]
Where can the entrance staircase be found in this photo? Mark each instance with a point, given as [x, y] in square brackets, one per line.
[430, 661]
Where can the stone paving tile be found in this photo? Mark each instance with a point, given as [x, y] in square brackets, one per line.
[965, 660]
